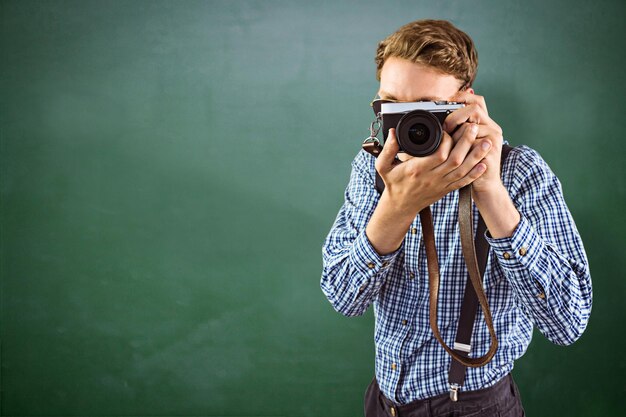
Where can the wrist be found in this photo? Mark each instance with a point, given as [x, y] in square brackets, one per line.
[497, 209]
[484, 189]
[396, 207]
[387, 226]
[489, 191]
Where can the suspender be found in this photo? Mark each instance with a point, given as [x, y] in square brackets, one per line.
[469, 306]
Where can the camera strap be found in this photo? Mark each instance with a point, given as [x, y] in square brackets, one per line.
[467, 245]
[474, 292]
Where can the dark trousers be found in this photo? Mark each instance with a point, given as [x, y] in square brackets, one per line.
[500, 400]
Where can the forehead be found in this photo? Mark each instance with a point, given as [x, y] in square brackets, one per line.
[404, 80]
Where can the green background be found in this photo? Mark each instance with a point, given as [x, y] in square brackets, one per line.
[170, 169]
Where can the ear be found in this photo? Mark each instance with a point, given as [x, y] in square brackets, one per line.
[470, 90]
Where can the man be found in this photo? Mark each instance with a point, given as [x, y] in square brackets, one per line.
[537, 272]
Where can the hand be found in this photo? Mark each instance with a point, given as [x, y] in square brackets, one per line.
[475, 111]
[421, 181]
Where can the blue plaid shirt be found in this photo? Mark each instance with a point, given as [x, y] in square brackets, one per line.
[537, 277]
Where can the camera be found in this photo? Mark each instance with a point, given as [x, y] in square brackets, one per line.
[418, 124]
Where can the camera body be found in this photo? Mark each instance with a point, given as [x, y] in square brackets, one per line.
[418, 124]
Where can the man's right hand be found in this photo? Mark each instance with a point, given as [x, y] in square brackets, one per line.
[418, 182]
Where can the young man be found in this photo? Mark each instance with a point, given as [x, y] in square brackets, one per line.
[537, 272]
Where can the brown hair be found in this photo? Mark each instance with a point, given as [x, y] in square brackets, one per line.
[436, 43]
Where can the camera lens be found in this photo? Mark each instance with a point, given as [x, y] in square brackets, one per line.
[419, 133]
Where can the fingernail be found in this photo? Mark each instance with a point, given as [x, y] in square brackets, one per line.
[474, 128]
[486, 146]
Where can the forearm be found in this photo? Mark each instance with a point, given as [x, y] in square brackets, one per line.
[353, 271]
[552, 284]
[388, 225]
[497, 209]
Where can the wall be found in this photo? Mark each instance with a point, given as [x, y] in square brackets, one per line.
[169, 171]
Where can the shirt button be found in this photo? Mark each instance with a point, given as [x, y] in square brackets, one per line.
[404, 322]
[393, 366]
[506, 255]
[362, 287]
[523, 251]
[541, 295]
[412, 275]
[385, 264]
[414, 231]
[371, 265]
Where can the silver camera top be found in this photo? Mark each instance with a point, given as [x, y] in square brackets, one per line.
[431, 106]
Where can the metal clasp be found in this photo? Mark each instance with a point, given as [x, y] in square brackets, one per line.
[375, 128]
[454, 392]
[371, 144]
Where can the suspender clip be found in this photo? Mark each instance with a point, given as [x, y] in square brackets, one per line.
[454, 392]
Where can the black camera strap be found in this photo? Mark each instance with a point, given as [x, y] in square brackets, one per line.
[475, 255]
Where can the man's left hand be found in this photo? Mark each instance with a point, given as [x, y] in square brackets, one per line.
[475, 111]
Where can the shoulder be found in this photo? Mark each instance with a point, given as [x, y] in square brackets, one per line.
[526, 156]
[364, 164]
[525, 167]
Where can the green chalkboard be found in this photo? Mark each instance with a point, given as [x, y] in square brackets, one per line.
[169, 170]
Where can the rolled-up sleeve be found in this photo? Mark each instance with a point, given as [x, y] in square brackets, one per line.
[353, 272]
[544, 260]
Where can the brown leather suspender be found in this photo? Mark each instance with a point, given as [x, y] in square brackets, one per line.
[469, 305]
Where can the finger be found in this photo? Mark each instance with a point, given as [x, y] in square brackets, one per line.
[468, 98]
[446, 145]
[456, 136]
[462, 147]
[387, 155]
[478, 100]
[475, 156]
[493, 133]
[443, 152]
[435, 159]
[470, 113]
[488, 133]
[471, 176]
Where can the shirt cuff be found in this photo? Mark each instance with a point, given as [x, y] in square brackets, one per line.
[371, 265]
[519, 254]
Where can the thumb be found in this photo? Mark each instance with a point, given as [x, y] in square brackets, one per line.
[387, 155]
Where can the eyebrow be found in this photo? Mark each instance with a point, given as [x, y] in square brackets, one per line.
[384, 94]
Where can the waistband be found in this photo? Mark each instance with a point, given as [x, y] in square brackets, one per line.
[484, 396]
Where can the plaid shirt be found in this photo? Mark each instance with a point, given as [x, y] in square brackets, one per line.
[537, 277]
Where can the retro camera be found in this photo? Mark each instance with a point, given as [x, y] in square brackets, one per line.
[418, 124]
